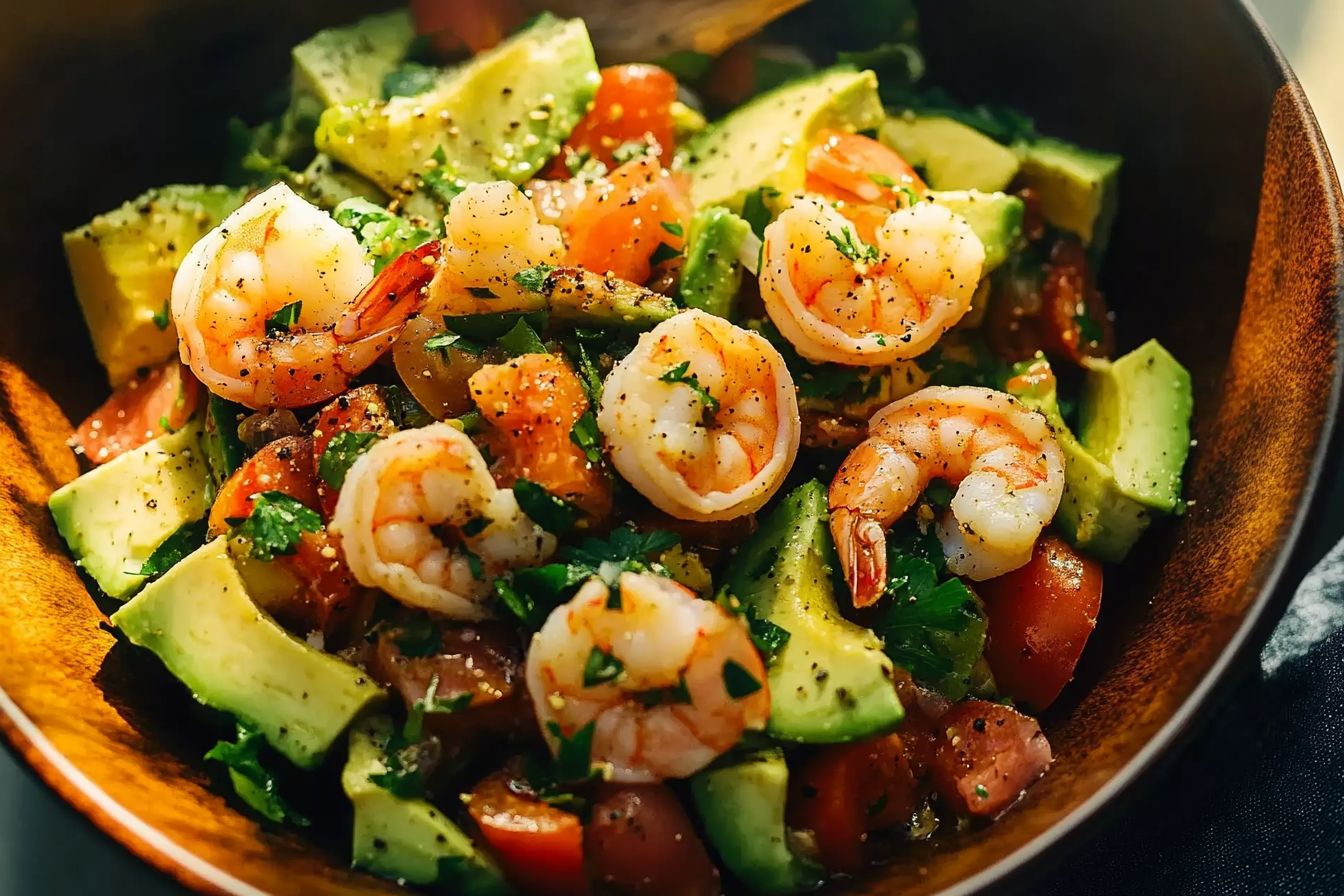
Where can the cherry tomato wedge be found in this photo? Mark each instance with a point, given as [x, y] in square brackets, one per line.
[453, 23]
[845, 791]
[633, 105]
[285, 465]
[159, 400]
[360, 410]
[640, 842]
[987, 756]
[1040, 617]
[1076, 325]
[624, 219]
[539, 846]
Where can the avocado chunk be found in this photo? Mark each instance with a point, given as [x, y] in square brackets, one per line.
[712, 274]
[408, 839]
[341, 66]
[1094, 515]
[953, 156]
[742, 809]
[123, 264]
[765, 143]
[1135, 418]
[1078, 188]
[830, 682]
[585, 298]
[326, 184]
[995, 217]
[199, 620]
[499, 117]
[115, 515]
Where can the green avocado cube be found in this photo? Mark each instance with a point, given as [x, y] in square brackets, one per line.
[1078, 188]
[953, 156]
[712, 273]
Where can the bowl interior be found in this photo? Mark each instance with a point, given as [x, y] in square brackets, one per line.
[104, 101]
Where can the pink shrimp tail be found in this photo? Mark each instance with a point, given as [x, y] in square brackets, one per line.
[397, 293]
[862, 546]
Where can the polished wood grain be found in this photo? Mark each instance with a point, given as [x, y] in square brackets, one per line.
[1228, 249]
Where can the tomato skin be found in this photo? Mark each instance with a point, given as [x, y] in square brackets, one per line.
[360, 410]
[1040, 617]
[987, 755]
[136, 412]
[539, 847]
[1070, 297]
[619, 224]
[285, 465]
[632, 104]
[640, 842]
[847, 790]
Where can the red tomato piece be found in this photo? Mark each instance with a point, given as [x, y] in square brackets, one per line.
[159, 400]
[633, 105]
[1076, 323]
[285, 465]
[623, 220]
[539, 846]
[453, 23]
[987, 756]
[360, 410]
[1040, 617]
[640, 842]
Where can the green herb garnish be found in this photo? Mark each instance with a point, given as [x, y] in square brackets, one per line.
[251, 781]
[588, 437]
[341, 453]
[549, 511]
[738, 681]
[186, 539]
[482, 292]
[279, 323]
[663, 253]
[164, 316]
[678, 374]
[673, 227]
[755, 211]
[275, 525]
[851, 247]
[534, 279]
[601, 668]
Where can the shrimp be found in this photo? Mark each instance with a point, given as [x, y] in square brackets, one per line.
[669, 681]
[701, 418]
[420, 517]
[530, 406]
[278, 252]
[1003, 458]
[837, 299]
[492, 234]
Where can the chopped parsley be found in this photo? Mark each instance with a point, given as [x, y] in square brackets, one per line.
[663, 253]
[881, 180]
[522, 340]
[981, 792]
[673, 695]
[587, 436]
[383, 235]
[475, 526]
[549, 511]
[674, 228]
[755, 211]
[573, 755]
[766, 635]
[164, 316]
[280, 323]
[482, 292]
[474, 564]
[419, 636]
[851, 247]
[534, 279]
[442, 178]
[187, 538]
[275, 525]
[407, 413]
[679, 374]
[251, 781]
[738, 681]
[432, 703]
[409, 79]
[341, 453]
[441, 342]
[939, 493]
[629, 151]
[601, 668]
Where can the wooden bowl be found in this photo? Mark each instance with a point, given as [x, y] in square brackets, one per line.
[1228, 249]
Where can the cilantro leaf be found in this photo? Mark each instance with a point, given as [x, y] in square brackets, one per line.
[383, 235]
[755, 212]
[164, 316]
[522, 340]
[678, 374]
[534, 279]
[407, 413]
[251, 781]
[663, 253]
[587, 436]
[275, 525]
[601, 668]
[482, 292]
[442, 178]
[441, 342]
[738, 681]
[768, 637]
[881, 180]
[341, 453]
[673, 695]
[673, 227]
[574, 755]
[280, 323]
[550, 512]
[187, 538]
[419, 636]
[851, 247]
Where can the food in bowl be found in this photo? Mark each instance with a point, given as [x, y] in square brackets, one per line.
[608, 499]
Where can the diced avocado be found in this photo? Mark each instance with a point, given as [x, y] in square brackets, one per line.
[712, 274]
[1078, 188]
[199, 620]
[686, 122]
[830, 682]
[953, 156]
[341, 66]
[1094, 515]
[326, 184]
[499, 117]
[1135, 417]
[765, 142]
[123, 264]
[742, 809]
[115, 515]
[408, 839]
[224, 451]
[577, 296]
[995, 217]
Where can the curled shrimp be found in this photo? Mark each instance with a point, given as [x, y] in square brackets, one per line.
[278, 251]
[420, 517]
[669, 681]
[837, 299]
[701, 418]
[1003, 459]
[492, 234]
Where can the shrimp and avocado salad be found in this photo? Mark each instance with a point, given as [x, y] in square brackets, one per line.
[611, 481]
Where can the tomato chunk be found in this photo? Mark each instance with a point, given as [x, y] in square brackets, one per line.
[845, 791]
[1076, 323]
[539, 846]
[987, 756]
[159, 400]
[633, 105]
[640, 842]
[360, 410]
[1040, 617]
[624, 219]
